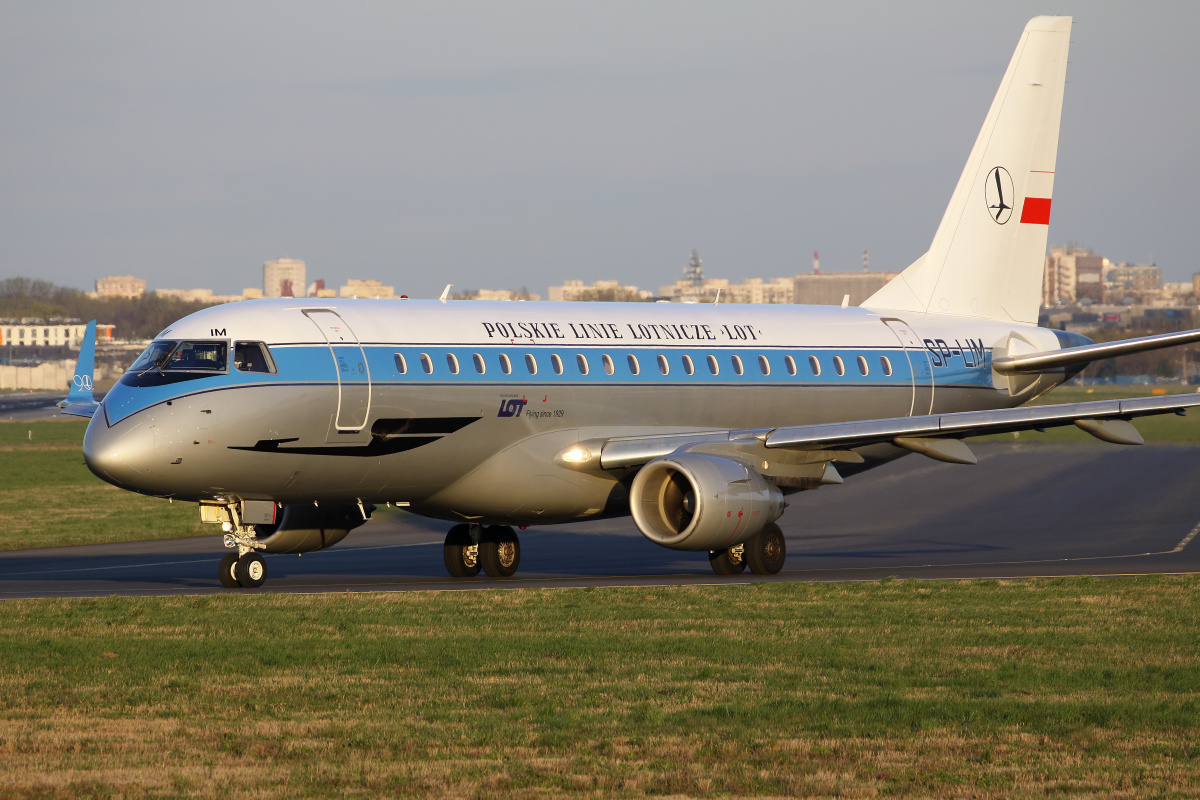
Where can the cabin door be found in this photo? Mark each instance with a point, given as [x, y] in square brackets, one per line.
[354, 376]
[919, 367]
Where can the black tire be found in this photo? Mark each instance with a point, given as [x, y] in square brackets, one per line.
[766, 551]
[227, 571]
[500, 552]
[454, 553]
[251, 571]
[727, 562]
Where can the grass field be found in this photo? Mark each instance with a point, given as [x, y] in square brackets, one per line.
[48, 497]
[1071, 687]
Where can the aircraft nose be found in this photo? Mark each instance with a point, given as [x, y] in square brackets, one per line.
[121, 455]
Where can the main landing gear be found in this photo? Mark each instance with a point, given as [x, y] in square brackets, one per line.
[468, 548]
[764, 553]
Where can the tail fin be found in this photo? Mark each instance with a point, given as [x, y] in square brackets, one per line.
[79, 401]
[989, 252]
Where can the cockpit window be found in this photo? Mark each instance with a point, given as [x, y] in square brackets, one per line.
[198, 357]
[252, 357]
[152, 355]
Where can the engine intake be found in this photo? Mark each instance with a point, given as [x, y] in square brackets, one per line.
[693, 501]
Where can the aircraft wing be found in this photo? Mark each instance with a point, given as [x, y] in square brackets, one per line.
[80, 402]
[1038, 362]
[935, 435]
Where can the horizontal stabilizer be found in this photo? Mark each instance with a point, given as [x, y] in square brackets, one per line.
[1041, 362]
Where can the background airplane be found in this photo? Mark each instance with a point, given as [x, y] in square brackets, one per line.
[288, 420]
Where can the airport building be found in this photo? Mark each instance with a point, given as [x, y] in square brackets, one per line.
[49, 333]
[598, 290]
[283, 277]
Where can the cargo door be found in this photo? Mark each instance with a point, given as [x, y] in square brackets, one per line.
[354, 376]
[920, 368]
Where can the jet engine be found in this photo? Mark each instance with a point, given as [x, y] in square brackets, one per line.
[693, 501]
[305, 528]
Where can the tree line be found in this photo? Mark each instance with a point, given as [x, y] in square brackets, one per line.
[134, 318]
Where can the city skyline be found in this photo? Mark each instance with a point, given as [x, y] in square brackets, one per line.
[534, 143]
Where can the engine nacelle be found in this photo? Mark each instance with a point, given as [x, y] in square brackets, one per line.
[305, 528]
[693, 501]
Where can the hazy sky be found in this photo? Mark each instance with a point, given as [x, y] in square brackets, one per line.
[500, 145]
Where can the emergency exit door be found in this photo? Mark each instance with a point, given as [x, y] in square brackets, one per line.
[920, 368]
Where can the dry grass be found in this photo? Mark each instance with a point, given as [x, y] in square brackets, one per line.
[1075, 687]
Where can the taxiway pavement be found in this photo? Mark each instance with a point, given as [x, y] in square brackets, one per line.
[1026, 510]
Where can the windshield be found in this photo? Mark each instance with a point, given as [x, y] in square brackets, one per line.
[151, 355]
[183, 357]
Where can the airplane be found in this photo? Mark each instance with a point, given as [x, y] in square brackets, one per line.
[288, 421]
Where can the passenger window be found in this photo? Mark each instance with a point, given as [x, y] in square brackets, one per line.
[609, 367]
[712, 365]
[839, 366]
[252, 357]
[663, 366]
[634, 367]
[764, 366]
[581, 361]
[688, 366]
[427, 363]
[862, 366]
[452, 361]
[790, 363]
[814, 365]
[505, 364]
[480, 367]
[886, 364]
[738, 369]
[556, 362]
[531, 363]
[401, 364]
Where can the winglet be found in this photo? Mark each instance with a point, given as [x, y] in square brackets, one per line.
[79, 401]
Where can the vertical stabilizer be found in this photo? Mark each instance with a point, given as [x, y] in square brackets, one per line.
[989, 251]
[80, 401]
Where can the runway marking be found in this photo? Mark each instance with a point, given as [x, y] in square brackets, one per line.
[1185, 541]
[127, 565]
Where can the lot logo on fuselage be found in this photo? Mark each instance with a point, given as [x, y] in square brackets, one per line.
[998, 192]
[511, 407]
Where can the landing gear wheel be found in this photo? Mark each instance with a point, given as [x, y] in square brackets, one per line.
[251, 571]
[731, 561]
[766, 551]
[500, 551]
[227, 571]
[460, 561]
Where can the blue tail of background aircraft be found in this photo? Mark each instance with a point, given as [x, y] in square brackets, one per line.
[80, 402]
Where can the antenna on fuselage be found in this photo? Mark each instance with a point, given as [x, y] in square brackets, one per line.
[717, 299]
[445, 292]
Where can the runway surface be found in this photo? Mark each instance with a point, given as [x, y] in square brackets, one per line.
[1025, 510]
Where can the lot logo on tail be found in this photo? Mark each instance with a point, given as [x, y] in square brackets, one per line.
[998, 193]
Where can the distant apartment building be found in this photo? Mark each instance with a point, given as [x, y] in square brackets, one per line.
[369, 288]
[49, 333]
[831, 288]
[505, 294]
[598, 290]
[283, 277]
[1134, 278]
[120, 286]
[1072, 274]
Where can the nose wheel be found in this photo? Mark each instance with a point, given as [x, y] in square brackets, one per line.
[242, 572]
